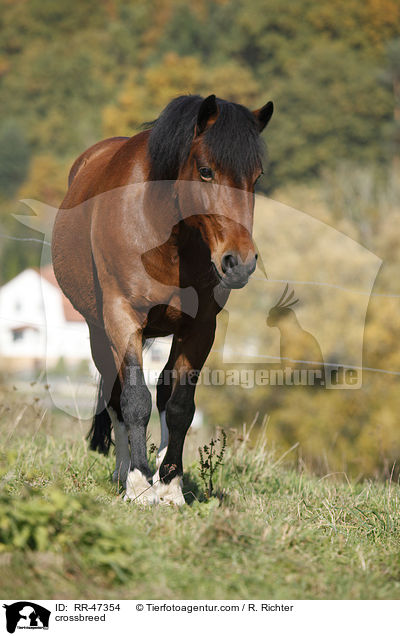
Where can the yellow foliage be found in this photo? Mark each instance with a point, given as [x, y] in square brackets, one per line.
[126, 116]
[355, 431]
[144, 95]
[47, 180]
[173, 77]
[234, 83]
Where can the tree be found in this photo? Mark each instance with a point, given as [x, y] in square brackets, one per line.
[14, 158]
[391, 78]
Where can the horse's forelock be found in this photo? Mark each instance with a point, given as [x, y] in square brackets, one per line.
[233, 140]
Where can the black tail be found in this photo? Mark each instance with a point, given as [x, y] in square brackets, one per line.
[99, 435]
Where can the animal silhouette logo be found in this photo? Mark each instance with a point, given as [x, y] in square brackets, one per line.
[299, 349]
[26, 615]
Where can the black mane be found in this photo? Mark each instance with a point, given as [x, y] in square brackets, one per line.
[233, 141]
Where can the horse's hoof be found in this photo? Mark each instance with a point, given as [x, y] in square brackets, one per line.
[170, 494]
[139, 490]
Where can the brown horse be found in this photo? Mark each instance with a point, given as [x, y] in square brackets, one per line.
[159, 233]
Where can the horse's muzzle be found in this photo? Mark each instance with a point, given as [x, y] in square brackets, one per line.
[236, 273]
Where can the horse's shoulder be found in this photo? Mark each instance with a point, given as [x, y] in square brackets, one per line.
[106, 148]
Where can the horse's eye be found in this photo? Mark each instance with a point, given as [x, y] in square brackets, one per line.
[258, 178]
[206, 174]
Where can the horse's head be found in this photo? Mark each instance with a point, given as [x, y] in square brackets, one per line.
[214, 153]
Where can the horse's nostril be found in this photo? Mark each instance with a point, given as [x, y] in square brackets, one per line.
[252, 265]
[229, 261]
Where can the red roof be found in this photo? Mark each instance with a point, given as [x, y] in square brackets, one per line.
[70, 313]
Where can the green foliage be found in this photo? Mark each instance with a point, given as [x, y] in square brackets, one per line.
[342, 430]
[210, 460]
[15, 256]
[61, 522]
[276, 533]
[72, 73]
[328, 113]
[390, 77]
[60, 368]
[14, 158]
[63, 65]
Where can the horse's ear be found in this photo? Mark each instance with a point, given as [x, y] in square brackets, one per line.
[208, 113]
[263, 115]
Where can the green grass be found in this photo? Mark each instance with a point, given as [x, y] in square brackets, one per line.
[65, 531]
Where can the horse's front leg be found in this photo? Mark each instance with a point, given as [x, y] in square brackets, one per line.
[164, 390]
[190, 354]
[125, 333]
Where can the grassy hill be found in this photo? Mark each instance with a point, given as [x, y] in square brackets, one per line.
[271, 532]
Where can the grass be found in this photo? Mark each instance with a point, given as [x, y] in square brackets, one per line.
[273, 533]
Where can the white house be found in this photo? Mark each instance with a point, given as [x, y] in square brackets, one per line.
[38, 323]
[38, 326]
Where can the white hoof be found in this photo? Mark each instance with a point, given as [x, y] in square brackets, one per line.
[139, 490]
[170, 494]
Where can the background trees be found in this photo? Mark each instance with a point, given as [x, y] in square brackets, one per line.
[71, 72]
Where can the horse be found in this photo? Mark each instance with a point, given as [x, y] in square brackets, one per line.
[153, 234]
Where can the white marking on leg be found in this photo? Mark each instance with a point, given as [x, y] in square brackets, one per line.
[163, 445]
[164, 434]
[139, 490]
[122, 452]
[170, 494]
[159, 459]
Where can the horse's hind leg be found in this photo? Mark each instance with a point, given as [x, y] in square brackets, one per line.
[122, 449]
[108, 412]
[100, 434]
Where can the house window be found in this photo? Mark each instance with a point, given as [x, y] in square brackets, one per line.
[17, 335]
[18, 306]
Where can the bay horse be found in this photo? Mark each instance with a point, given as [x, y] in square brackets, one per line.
[153, 233]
